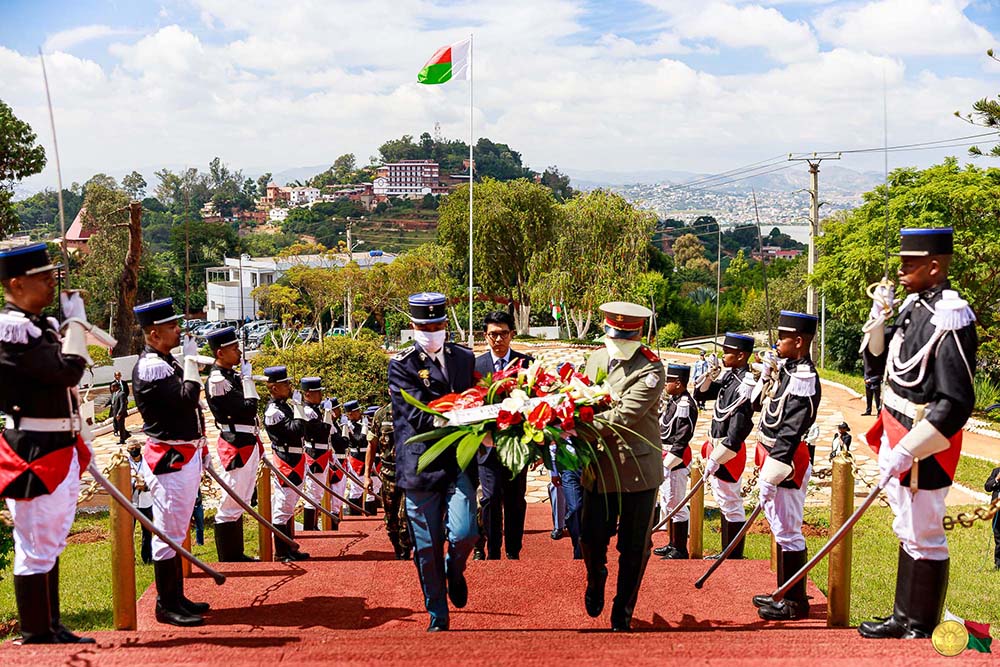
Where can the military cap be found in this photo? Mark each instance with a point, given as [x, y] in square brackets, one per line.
[371, 410]
[623, 319]
[680, 372]
[428, 307]
[334, 402]
[160, 311]
[222, 337]
[924, 242]
[311, 384]
[276, 374]
[25, 260]
[793, 322]
[844, 426]
[739, 342]
[351, 406]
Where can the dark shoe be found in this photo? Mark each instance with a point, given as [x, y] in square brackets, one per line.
[513, 556]
[894, 626]
[60, 632]
[32, 594]
[458, 589]
[556, 534]
[478, 554]
[662, 551]
[437, 626]
[713, 557]
[676, 554]
[193, 608]
[866, 414]
[593, 598]
[786, 610]
[762, 600]
[679, 541]
[402, 554]
[168, 609]
[621, 626]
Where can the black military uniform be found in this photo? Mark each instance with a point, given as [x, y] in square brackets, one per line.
[785, 462]
[41, 453]
[233, 400]
[382, 436]
[320, 439]
[677, 422]
[286, 430]
[355, 434]
[929, 356]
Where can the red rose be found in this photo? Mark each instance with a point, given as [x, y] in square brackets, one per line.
[541, 415]
[507, 419]
[586, 414]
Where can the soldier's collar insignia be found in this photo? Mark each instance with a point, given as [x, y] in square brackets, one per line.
[424, 374]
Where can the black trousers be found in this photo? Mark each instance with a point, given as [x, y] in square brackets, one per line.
[146, 550]
[503, 506]
[631, 516]
[996, 540]
[873, 390]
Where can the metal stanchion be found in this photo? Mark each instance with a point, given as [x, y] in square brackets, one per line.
[697, 520]
[326, 502]
[265, 548]
[774, 554]
[838, 610]
[122, 553]
[185, 563]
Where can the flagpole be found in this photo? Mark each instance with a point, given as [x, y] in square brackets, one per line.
[471, 141]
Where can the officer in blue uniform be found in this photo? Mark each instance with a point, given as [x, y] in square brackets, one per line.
[440, 501]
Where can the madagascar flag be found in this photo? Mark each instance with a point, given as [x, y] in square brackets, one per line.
[979, 633]
[450, 63]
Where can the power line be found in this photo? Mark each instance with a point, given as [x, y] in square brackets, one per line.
[900, 147]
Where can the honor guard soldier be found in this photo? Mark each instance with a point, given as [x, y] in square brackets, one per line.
[320, 436]
[333, 414]
[355, 432]
[784, 458]
[232, 398]
[724, 452]
[440, 500]
[285, 425]
[621, 496]
[42, 454]
[929, 356]
[677, 422]
[382, 443]
[167, 396]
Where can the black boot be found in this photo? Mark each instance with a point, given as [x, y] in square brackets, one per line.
[193, 608]
[678, 541]
[281, 549]
[765, 599]
[241, 556]
[371, 507]
[60, 632]
[168, 609]
[597, 578]
[32, 594]
[795, 604]
[224, 542]
[734, 529]
[293, 553]
[893, 627]
[309, 519]
[723, 538]
[928, 586]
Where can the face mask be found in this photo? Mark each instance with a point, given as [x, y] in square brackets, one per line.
[431, 341]
[621, 349]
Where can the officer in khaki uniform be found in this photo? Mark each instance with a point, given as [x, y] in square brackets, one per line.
[620, 496]
[382, 442]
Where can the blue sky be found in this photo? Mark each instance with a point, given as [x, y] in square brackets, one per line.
[584, 84]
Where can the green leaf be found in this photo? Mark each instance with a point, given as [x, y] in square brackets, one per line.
[431, 435]
[438, 448]
[467, 448]
[418, 405]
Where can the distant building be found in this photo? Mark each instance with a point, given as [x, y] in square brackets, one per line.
[363, 193]
[78, 233]
[774, 252]
[277, 214]
[411, 179]
[223, 283]
[291, 195]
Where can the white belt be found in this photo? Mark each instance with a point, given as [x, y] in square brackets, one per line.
[321, 446]
[243, 428]
[44, 424]
[901, 405]
[289, 450]
[766, 440]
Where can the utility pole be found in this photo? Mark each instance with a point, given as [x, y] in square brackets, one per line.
[187, 268]
[813, 162]
[348, 317]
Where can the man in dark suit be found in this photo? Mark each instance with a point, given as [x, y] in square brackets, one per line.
[502, 503]
[993, 486]
[119, 407]
[440, 500]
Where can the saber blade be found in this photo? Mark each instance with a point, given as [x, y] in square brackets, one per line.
[250, 510]
[694, 489]
[281, 476]
[731, 546]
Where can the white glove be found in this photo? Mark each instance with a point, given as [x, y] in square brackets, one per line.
[297, 397]
[769, 365]
[191, 369]
[189, 346]
[894, 465]
[75, 341]
[883, 301]
[711, 467]
[249, 388]
[246, 369]
[327, 404]
[72, 305]
[767, 490]
[206, 458]
[298, 412]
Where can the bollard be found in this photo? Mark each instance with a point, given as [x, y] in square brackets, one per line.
[774, 554]
[838, 609]
[265, 549]
[122, 553]
[697, 511]
[326, 502]
[185, 563]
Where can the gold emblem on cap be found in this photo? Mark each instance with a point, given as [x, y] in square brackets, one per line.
[950, 638]
[619, 318]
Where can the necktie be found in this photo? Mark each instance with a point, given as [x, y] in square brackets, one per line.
[499, 363]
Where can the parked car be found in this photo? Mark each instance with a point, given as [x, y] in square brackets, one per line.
[308, 335]
[201, 334]
[337, 331]
[258, 326]
[192, 324]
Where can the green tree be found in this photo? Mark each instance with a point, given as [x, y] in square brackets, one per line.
[280, 303]
[134, 186]
[20, 157]
[558, 182]
[787, 292]
[687, 251]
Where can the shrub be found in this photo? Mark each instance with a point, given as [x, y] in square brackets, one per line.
[100, 355]
[350, 369]
[987, 391]
[369, 334]
[669, 334]
[843, 340]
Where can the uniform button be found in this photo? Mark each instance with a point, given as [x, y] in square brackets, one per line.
[906, 321]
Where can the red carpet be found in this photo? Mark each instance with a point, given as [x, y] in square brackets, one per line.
[352, 604]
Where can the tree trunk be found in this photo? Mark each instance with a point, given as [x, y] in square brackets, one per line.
[125, 331]
[458, 324]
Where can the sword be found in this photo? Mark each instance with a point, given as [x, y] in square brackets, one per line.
[333, 493]
[249, 510]
[148, 525]
[828, 547]
[731, 546]
[280, 475]
[694, 489]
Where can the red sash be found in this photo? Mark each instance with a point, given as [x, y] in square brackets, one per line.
[733, 467]
[234, 457]
[800, 461]
[318, 464]
[894, 432]
[288, 471]
[51, 469]
[164, 458]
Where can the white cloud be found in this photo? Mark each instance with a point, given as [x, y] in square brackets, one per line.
[905, 27]
[67, 39]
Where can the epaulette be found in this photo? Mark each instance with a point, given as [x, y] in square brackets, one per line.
[747, 385]
[218, 385]
[802, 382]
[308, 411]
[683, 407]
[649, 354]
[952, 312]
[152, 368]
[405, 353]
[54, 322]
[273, 415]
[16, 328]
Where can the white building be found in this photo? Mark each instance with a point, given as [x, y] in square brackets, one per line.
[408, 178]
[225, 283]
[277, 214]
[302, 196]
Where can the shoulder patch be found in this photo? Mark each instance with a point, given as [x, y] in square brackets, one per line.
[683, 408]
[54, 322]
[153, 368]
[405, 353]
[649, 354]
[218, 385]
[651, 380]
[16, 328]
[802, 382]
[273, 415]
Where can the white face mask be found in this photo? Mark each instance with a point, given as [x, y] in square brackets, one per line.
[431, 341]
[621, 349]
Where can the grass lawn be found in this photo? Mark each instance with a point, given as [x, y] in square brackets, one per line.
[973, 473]
[972, 594]
[855, 382]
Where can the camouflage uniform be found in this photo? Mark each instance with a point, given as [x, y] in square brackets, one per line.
[381, 435]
